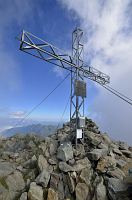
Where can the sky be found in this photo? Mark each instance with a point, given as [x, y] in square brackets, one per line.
[25, 80]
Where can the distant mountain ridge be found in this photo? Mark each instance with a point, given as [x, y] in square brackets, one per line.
[39, 129]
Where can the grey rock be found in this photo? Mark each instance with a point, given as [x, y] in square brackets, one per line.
[35, 192]
[127, 153]
[61, 191]
[82, 191]
[71, 183]
[63, 166]
[105, 164]
[15, 184]
[71, 162]
[6, 168]
[86, 175]
[65, 152]
[116, 173]
[96, 154]
[81, 164]
[117, 151]
[43, 178]
[116, 188]
[42, 163]
[121, 163]
[123, 146]
[79, 152]
[100, 191]
[52, 161]
[93, 138]
[54, 180]
[23, 196]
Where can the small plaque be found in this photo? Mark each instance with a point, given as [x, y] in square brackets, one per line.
[79, 134]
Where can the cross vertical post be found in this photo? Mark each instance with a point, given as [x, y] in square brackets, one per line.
[77, 100]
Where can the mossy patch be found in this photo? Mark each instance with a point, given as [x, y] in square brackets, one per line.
[3, 182]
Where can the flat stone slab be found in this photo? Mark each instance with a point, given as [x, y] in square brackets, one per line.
[6, 168]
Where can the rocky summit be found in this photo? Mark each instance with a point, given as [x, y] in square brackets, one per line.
[36, 168]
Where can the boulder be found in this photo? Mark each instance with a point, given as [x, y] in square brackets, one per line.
[100, 191]
[117, 151]
[52, 195]
[106, 163]
[42, 163]
[127, 153]
[43, 178]
[71, 183]
[23, 196]
[96, 154]
[6, 168]
[63, 166]
[117, 189]
[65, 152]
[54, 180]
[123, 146]
[93, 138]
[121, 163]
[86, 175]
[35, 192]
[116, 173]
[61, 190]
[82, 191]
[81, 164]
[15, 184]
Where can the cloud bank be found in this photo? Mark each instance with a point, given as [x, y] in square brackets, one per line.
[108, 47]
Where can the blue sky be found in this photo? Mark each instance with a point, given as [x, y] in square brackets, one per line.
[24, 80]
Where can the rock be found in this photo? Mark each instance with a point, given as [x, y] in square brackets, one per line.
[116, 188]
[6, 168]
[42, 163]
[106, 139]
[52, 161]
[71, 162]
[71, 183]
[52, 148]
[96, 154]
[43, 178]
[106, 163]
[116, 173]
[63, 166]
[61, 190]
[15, 184]
[117, 151]
[43, 147]
[123, 146]
[35, 192]
[81, 164]
[54, 180]
[100, 191]
[82, 191]
[79, 151]
[23, 196]
[52, 195]
[93, 138]
[86, 175]
[127, 153]
[121, 163]
[65, 152]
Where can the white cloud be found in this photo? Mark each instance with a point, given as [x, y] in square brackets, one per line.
[108, 48]
[17, 114]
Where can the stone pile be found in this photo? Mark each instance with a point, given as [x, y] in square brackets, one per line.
[51, 168]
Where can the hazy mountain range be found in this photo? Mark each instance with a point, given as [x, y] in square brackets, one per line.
[39, 129]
